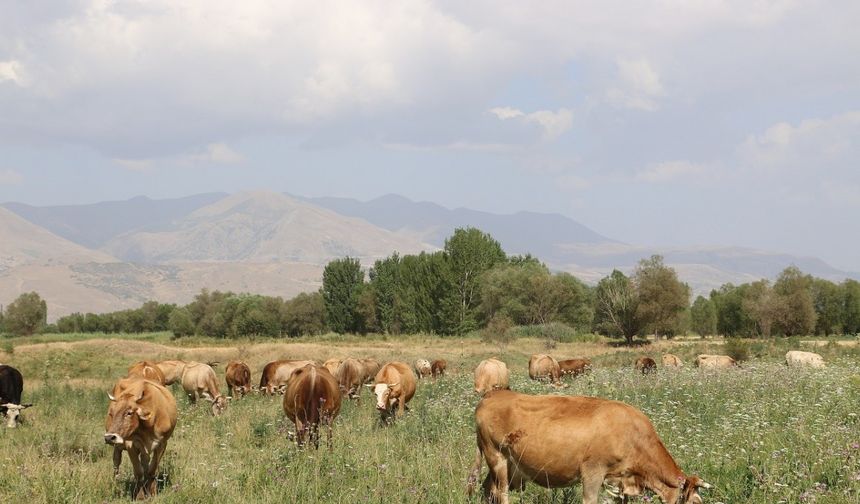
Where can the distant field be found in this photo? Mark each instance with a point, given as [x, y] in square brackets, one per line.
[762, 434]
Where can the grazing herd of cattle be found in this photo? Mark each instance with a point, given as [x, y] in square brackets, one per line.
[551, 440]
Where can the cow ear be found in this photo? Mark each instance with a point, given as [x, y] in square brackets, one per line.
[207, 396]
[369, 385]
[703, 484]
[144, 415]
[140, 396]
[25, 406]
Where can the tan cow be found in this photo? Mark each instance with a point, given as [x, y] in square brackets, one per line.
[423, 369]
[312, 399]
[147, 370]
[393, 386]
[371, 367]
[199, 380]
[491, 374]
[238, 378]
[332, 365]
[140, 419]
[172, 370]
[670, 361]
[795, 358]
[574, 367]
[543, 367]
[556, 441]
[715, 361]
[276, 375]
[645, 365]
[350, 376]
[438, 367]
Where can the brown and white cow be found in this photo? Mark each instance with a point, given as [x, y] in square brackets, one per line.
[141, 418]
[371, 367]
[574, 367]
[312, 399]
[199, 380]
[672, 361]
[543, 367]
[797, 358]
[276, 375]
[491, 374]
[645, 365]
[332, 365]
[350, 376]
[393, 386]
[172, 370]
[423, 369]
[438, 367]
[715, 361]
[148, 370]
[238, 378]
[556, 441]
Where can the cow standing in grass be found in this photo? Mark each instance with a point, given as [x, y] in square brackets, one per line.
[491, 374]
[543, 367]
[645, 365]
[238, 378]
[312, 399]
[172, 370]
[438, 367]
[11, 387]
[393, 386]
[370, 368]
[672, 361]
[276, 375]
[199, 380]
[423, 369]
[349, 377]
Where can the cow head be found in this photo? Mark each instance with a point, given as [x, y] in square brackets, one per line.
[12, 412]
[386, 396]
[124, 416]
[219, 403]
[691, 490]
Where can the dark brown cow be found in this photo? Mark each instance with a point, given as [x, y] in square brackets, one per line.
[437, 367]
[556, 441]
[238, 378]
[574, 367]
[645, 365]
[147, 370]
[312, 398]
[140, 419]
[350, 376]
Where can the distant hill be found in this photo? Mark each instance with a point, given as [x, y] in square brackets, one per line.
[95, 224]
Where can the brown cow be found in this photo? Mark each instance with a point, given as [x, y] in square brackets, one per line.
[715, 361]
[491, 374]
[312, 398]
[423, 368]
[238, 378]
[199, 380]
[574, 367]
[276, 375]
[394, 385]
[670, 360]
[147, 370]
[332, 365]
[172, 370]
[543, 367]
[645, 365]
[558, 440]
[140, 419]
[371, 367]
[349, 377]
[437, 367]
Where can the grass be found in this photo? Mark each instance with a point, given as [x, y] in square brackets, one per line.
[762, 434]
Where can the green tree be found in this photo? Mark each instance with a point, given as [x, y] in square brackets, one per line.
[385, 280]
[827, 299]
[662, 297]
[342, 282]
[304, 315]
[798, 311]
[732, 317]
[368, 322]
[471, 252]
[851, 306]
[763, 306]
[255, 315]
[703, 316]
[180, 323]
[615, 307]
[28, 314]
[73, 323]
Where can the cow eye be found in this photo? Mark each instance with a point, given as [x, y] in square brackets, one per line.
[128, 413]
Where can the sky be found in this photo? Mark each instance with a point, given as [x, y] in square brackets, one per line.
[669, 123]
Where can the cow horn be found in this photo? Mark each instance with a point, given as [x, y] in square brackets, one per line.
[111, 397]
[392, 385]
[703, 484]
[25, 406]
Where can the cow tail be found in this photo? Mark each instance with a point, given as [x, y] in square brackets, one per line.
[474, 471]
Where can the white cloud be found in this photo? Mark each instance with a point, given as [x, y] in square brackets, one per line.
[10, 177]
[669, 170]
[11, 71]
[218, 153]
[505, 113]
[638, 86]
[552, 123]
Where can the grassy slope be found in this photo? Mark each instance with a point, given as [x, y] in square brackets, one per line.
[762, 434]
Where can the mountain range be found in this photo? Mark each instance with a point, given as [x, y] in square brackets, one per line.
[118, 254]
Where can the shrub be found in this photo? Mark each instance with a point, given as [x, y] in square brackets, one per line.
[498, 331]
[737, 349]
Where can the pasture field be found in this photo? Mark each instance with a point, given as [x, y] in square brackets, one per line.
[761, 434]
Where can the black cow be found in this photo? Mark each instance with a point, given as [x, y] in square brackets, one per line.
[11, 386]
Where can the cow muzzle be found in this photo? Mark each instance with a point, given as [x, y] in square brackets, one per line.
[113, 439]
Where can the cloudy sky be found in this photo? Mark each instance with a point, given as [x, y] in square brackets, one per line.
[674, 122]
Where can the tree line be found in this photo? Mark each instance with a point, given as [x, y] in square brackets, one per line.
[473, 284]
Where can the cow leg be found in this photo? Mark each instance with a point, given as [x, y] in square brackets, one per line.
[134, 456]
[401, 407]
[152, 469]
[498, 468]
[592, 481]
[117, 460]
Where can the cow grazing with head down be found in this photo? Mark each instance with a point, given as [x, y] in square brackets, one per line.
[715, 361]
[276, 375]
[672, 361]
[543, 367]
[312, 399]
[437, 368]
[556, 441]
[172, 370]
[238, 378]
[350, 375]
[645, 365]
[370, 368]
[11, 387]
[574, 367]
[491, 374]
[141, 418]
[199, 380]
[147, 370]
[332, 365]
[797, 358]
[393, 386]
[423, 369]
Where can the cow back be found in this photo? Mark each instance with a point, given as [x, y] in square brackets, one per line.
[147, 370]
[490, 374]
[349, 376]
[543, 366]
[238, 374]
[312, 395]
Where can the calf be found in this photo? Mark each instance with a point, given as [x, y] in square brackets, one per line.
[11, 387]
[437, 368]
[140, 419]
[393, 386]
[199, 380]
[574, 367]
[423, 368]
[238, 378]
[556, 441]
[645, 365]
[312, 398]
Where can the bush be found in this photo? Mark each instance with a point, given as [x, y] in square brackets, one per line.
[737, 349]
[555, 332]
[498, 331]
